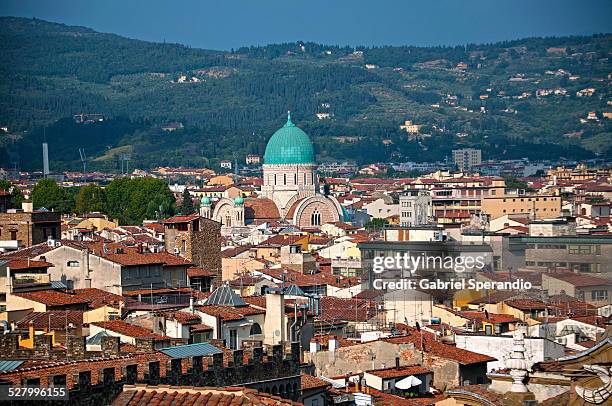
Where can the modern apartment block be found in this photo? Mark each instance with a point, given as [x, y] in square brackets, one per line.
[466, 158]
[415, 208]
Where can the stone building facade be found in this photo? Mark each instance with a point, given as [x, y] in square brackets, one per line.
[195, 238]
[29, 227]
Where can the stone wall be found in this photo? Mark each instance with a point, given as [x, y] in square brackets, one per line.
[31, 228]
[89, 375]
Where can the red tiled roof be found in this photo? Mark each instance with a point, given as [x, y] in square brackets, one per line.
[334, 308]
[195, 328]
[51, 298]
[312, 382]
[181, 219]
[580, 279]
[260, 208]
[224, 312]
[232, 252]
[182, 317]
[129, 330]
[98, 297]
[388, 373]
[526, 304]
[52, 320]
[19, 264]
[169, 395]
[195, 272]
[436, 348]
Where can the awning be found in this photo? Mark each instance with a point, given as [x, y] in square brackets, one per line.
[408, 382]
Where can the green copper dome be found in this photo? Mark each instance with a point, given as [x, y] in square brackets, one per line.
[289, 145]
[239, 200]
[205, 201]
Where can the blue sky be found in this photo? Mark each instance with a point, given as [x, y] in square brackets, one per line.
[225, 24]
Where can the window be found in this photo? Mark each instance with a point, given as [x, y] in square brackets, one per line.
[84, 378]
[108, 376]
[255, 329]
[72, 264]
[13, 234]
[233, 335]
[315, 218]
[284, 179]
[599, 295]
[580, 249]
[59, 380]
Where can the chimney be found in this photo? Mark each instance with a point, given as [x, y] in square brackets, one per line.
[27, 206]
[191, 304]
[333, 344]
[314, 346]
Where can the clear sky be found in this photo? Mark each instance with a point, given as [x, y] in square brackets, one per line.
[225, 24]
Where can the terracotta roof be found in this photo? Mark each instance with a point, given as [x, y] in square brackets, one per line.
[580, 280]
[29, 252]
[195, 328]
[224, 312]
[19, 264]
[232, 252]
[195, 272]
[170, 395]
[436, 348]
[120, 254]
[157, 227]
[312, 382]
[181, 317]
[181, 219]
[98, 297]
[402, 371]
[127, 329]
[493, 317]
[334, 308]
[526, 304]
[260, 208]
[52, 320]
[51, 298]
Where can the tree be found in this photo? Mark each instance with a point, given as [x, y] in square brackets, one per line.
[16, 195]
[187, 204]
[376, 224]
[91, 198]
[133, 200]
[48, 194]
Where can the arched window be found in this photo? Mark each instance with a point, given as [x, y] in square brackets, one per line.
[295, 178]
[255, 329]
[274, 179]
[284, 178]
[305, 178]
[315, 218]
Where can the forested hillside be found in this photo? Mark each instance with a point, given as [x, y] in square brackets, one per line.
[528, 97]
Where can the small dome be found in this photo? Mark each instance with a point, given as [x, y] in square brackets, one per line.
[239, 200]
[289, 145]
[206, 201]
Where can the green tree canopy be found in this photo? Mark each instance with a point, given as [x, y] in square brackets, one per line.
[48, 194]
[133, 200]
[187, 204]
[91, 198]
[16, 195]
